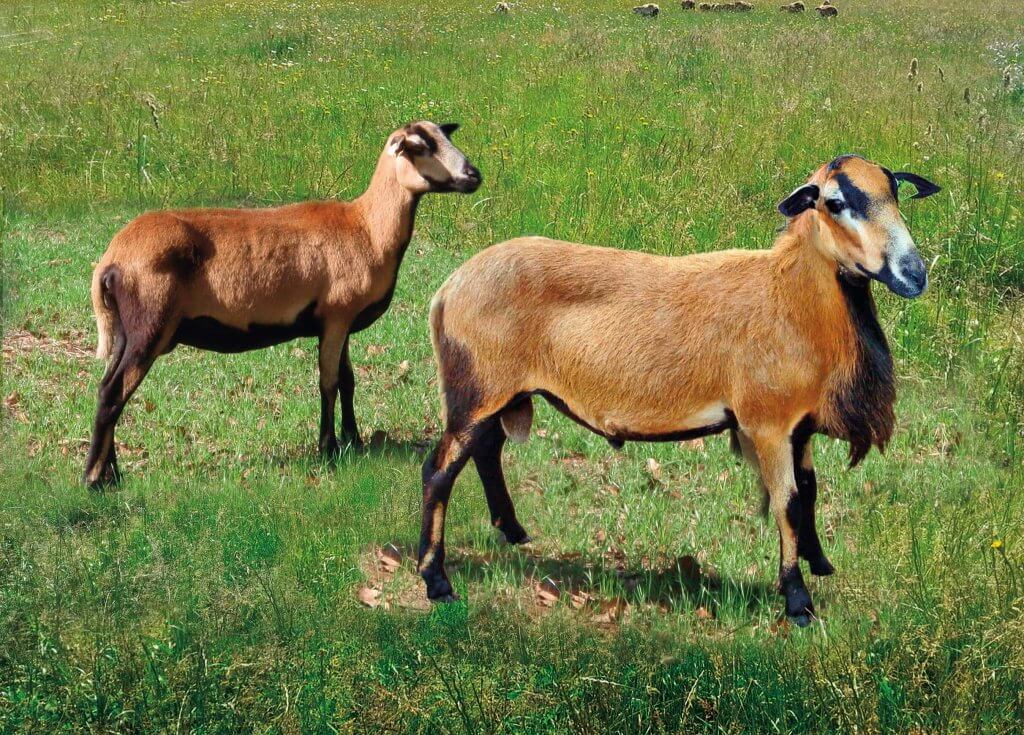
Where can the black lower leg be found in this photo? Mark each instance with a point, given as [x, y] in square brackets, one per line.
[101, 462]
[487, 458]
[808, 544]
[328, 440]
[439, 473]
[346, 390]
[791, 581]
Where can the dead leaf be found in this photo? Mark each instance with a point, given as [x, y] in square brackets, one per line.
[150, 406]
[548, 592]
[403, 368]
[542, 433]
[611, 611]
[580, 598]
[369, 596]
[702, 613]
[654, 468]
[376, 349]
[12, 403]
[389, 558]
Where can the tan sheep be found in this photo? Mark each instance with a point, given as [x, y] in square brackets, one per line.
[797, 7]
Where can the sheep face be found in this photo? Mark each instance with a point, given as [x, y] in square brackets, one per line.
[859, 223]
[427, 161]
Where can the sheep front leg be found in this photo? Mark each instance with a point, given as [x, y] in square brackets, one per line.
[332, 342]
[775, 456]
[808, 544]
[347, 390]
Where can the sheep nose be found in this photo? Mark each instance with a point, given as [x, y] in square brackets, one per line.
[913, 269]
[472, 173]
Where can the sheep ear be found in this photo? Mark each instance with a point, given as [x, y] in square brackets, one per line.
[800, 200]
[409, 144]
[449, 128]
[925, 188]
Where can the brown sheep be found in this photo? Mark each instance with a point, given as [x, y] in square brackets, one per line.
[774, 345]
[827, 11]
[231, 280]
[650, 10]
[797, 7]
[688, 4]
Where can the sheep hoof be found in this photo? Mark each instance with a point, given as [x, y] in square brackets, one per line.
[821, 567]
[108, 477]
[441, 591]
[516, 538]
[801, 621]
[330, 449]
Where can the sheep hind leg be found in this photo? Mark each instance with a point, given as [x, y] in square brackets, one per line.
[742, 444]
[487, 458]
[439, 472]
[118, 384]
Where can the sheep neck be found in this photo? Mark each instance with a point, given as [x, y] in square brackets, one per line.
[388, 210]
[808, 290]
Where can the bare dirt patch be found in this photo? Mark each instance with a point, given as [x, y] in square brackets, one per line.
[18, 342]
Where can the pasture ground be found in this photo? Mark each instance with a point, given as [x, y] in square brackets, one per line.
[219, 589]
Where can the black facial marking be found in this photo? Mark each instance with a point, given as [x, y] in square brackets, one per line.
[426, 136]
[838, 161]
[856, 199]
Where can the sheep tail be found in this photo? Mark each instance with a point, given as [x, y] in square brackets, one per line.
[436, 335]
[104, 304]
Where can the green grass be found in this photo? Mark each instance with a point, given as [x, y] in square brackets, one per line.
[216, 590]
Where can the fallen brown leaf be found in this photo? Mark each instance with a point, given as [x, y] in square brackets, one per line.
[653, 468]
[611, 611]
[369, 596]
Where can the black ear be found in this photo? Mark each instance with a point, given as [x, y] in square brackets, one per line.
[449, 128]
[800, 200]
[924, 187]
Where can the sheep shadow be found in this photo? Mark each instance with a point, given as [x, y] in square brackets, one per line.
[678, 585]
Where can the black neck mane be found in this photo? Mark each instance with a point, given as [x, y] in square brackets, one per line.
[864, 406]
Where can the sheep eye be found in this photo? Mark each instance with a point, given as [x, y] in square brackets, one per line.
[835, 206]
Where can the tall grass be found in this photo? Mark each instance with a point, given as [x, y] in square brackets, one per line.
[216, 591]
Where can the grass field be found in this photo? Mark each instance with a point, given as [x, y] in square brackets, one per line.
[218, 589]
